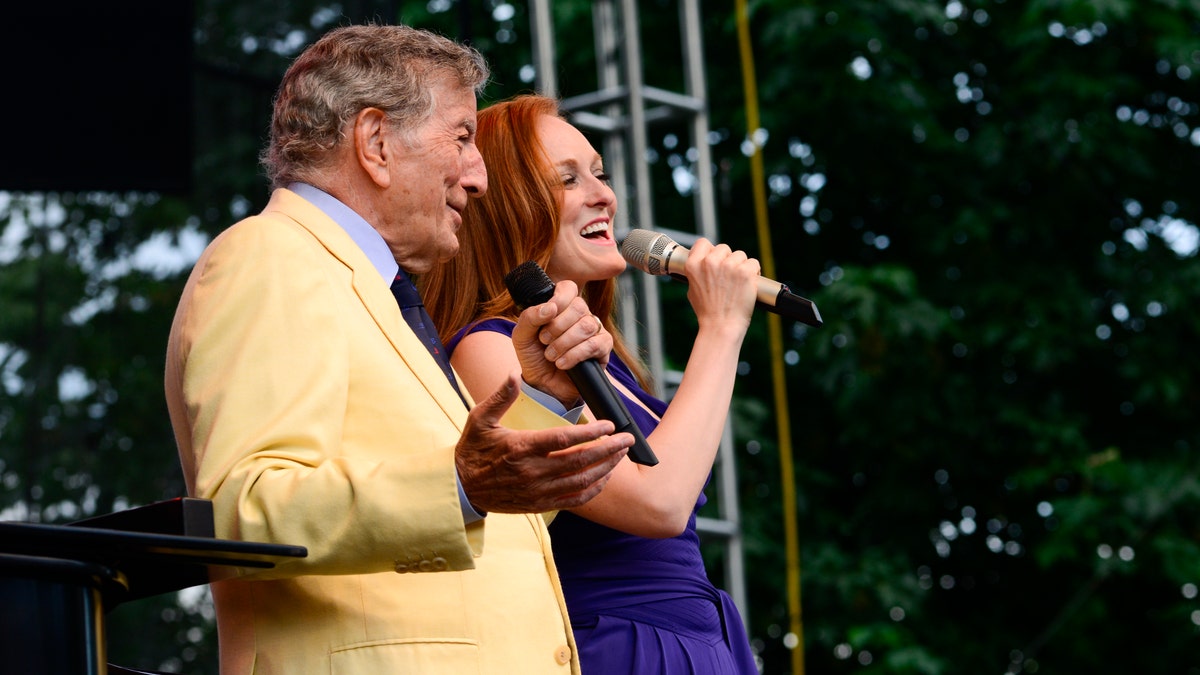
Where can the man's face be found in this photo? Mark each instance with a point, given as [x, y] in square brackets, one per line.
[434, 174]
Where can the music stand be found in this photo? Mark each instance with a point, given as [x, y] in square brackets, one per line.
[58, 581]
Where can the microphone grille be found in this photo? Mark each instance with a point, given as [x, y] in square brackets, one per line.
[644, 250]
[529, 284]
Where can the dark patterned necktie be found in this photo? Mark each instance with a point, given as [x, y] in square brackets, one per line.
[419, 320]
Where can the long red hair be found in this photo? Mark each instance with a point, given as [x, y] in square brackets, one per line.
[515, 221]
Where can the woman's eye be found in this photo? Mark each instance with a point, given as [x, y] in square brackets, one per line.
[604, 178]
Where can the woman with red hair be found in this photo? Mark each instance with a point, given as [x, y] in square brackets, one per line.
[629, 560]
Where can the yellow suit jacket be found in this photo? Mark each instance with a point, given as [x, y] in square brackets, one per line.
[310, 414]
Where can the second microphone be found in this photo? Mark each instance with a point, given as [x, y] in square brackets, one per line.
[530, 285]
[656, 253]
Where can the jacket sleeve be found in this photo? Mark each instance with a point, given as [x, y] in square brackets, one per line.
[301, 420]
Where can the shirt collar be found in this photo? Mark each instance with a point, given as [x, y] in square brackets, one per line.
[367, 237]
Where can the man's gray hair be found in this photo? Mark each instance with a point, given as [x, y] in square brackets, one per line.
[351, 68]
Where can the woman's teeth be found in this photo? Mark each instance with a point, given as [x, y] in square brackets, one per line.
[595, 228]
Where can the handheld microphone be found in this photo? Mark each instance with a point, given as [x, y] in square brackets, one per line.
[656, 253]
[530, 285]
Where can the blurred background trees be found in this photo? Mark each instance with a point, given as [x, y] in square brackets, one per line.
[993, 203]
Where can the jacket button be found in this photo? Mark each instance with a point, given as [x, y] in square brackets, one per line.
[562, 655]
[401, 568]
[425, 566]
[440, 564]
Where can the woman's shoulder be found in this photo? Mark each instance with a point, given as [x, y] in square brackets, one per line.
[494, 325]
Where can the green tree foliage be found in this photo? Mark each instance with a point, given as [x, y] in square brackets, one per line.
[994, 428]
[993, 203]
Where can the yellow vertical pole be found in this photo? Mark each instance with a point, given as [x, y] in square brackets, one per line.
[783, 423]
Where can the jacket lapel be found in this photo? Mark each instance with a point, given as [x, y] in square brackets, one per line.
[375, 296]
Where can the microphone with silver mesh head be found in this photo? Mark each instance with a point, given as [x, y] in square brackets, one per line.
[656, 253]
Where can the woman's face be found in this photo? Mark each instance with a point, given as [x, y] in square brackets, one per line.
[585, 249]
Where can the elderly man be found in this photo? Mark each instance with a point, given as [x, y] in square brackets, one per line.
[312, 406]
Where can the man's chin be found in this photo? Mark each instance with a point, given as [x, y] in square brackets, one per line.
[448, 252]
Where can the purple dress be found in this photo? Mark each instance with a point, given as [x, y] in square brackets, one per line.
[641, 606]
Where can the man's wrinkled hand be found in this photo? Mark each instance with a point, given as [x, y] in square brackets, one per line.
[517, 471]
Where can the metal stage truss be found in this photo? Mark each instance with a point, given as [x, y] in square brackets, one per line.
[621, 113]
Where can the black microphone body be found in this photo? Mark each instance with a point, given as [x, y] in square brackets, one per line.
[656, 253]
[529, 285]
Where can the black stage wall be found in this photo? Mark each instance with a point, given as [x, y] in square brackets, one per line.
[96, 95]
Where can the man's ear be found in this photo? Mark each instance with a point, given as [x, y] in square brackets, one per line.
[371, 145]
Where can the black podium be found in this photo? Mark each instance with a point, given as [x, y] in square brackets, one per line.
[57, 582]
